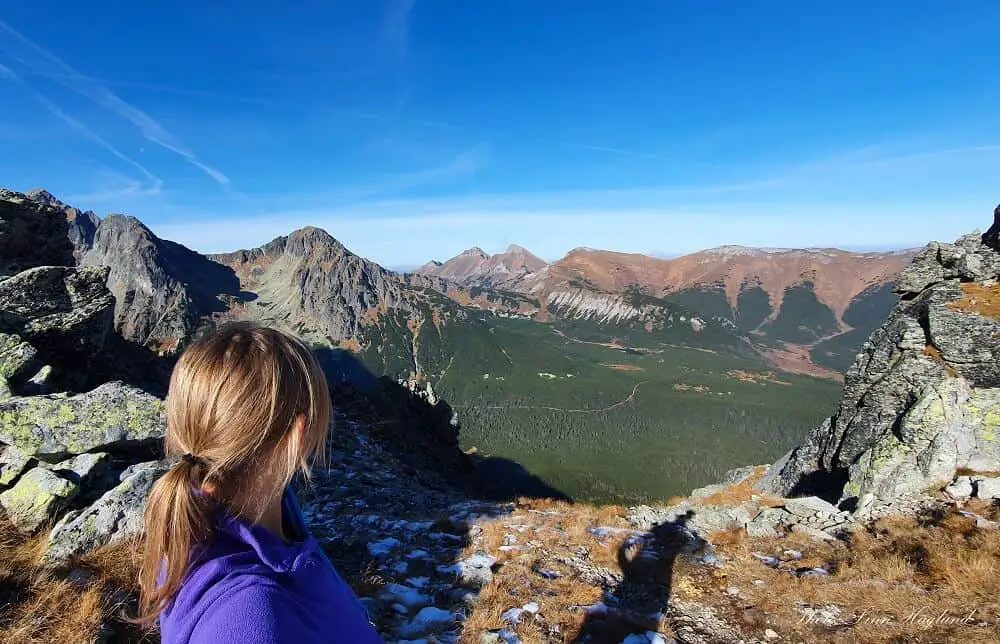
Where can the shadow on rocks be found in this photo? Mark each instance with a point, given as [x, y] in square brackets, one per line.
[399, 505]
[641, 600]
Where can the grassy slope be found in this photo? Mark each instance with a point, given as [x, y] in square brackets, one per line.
[866, 313]
[662, 442]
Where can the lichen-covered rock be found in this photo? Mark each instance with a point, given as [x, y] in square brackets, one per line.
[13, 462]
[36, 498]
[919, 400]
[951, 426]
[65, 313]
[53, 427]
[115, 517]
[18, 359]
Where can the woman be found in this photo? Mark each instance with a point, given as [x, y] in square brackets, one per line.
[228, 558]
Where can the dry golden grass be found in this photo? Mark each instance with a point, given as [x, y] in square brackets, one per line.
[755, 377]
[934, 353]
[621, 367]
[351, 344]
[990, 474]
[550, 529]
[38, 606]
[984, 300]
[901, 581]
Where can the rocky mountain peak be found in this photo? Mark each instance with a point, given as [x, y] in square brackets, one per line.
[475, 251]
[43, 196]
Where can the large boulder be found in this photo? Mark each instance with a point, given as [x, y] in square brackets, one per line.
[36, 498]
[951, 426]
[39, 230]
[112, 416]
[114, 518]
[65, 313]
[918, 403]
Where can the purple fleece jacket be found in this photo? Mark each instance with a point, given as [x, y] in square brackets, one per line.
[250, 587]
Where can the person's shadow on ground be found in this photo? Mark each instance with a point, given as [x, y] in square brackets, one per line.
[642, 598]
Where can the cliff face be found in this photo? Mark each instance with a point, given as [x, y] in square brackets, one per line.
[161, 289]
[922, 400]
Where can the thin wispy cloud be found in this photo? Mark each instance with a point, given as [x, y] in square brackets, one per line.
[166, 89]
[635, 154]
[397, 26]
[155, 183]
[41, 61]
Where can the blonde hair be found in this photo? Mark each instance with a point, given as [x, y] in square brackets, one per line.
[234, 398]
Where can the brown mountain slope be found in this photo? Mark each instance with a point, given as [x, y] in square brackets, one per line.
[837, 276]
[506, 270]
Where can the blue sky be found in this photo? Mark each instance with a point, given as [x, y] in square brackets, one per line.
[412, 129]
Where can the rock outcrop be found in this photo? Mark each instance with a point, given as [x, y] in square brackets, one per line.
[922, 400]
[162, 290]
[56, 426]
[39, 230]
[113, 518]
[63, 312]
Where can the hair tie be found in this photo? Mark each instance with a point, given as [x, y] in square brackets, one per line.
[191, 459]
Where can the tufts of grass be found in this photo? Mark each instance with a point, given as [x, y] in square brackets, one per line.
[41, 606]
[901, 580]
[984, 300]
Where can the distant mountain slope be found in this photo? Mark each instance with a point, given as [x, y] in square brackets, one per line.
[837, 276]
[805, 310]
[506, 270]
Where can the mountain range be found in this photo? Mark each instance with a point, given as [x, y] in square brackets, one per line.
[548, 364]
[803, 310]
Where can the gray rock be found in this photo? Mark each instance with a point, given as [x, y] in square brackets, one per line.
[950, 426]
[40, 231]
[161, 289]
[961, 488]
[83, 469]
[476, 571]
[13, 462]
[114, 518]
[162, 465]
[918, 401]
[53, 427]
[18, 360]
[739, 474]
[812, 532]
[810, 506]
[36, 498]
[926, 270]
[770, 522]
[65, 313]
[331, 303]
[988, 488]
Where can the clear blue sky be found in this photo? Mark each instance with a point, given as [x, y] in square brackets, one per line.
[411, 129]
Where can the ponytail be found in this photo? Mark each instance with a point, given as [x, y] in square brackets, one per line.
[247, 407]
[177, 517]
